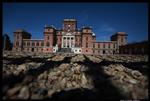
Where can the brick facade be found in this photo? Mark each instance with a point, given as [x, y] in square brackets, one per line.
[68, 37]
[134, 48]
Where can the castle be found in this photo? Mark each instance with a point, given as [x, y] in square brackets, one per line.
[68, 39]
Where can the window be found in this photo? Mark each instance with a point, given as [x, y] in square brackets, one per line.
[103, 45]
[93, 51]
[114, 45]
[42, 44]
[79, 50]
[86, 44]
[87, 30]
[24, 43]
[33, 44]
[98, 45]
[28, 43]
[47, 44]
[93, 45]
[68, 38]
[37, 44]
[64, 38]
[18, 36]
[109, 45]
[17, 43]
[86, 38]
[103, 51]
[47, 37]
[71, 38]
[86, 50]
[121, 39]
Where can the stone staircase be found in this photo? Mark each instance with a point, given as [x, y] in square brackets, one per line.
[65, 50]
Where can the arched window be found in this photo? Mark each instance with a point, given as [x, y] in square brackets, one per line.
[86, 44]
[47, 37]
[86, 38]
[37, 43]
[93, 45]
[108, 45]
[47, 44]
[17, 43]
[28, 43]
[104, 52]
[42, 44]
[98, 45]
[33, 44]
[103, 45]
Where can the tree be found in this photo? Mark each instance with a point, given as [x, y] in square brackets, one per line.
[7, 45]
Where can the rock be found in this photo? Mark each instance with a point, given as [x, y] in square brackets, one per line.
[58, 58]
[119, 68]
[136, 74]
[93, 59]
[35, 96]
[13, 91]
[74, 83]
[21, 67]
[69, 85]
[132, 81]
[63, 83]
[84, 68]
[84, 80]
[76, 74]
[24, 93]
[42, 91]
[50, 92]
[78, 58]
[64, 66]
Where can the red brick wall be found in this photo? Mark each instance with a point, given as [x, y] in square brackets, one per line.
[134, 48]
[71, 23]
[87, 43]
[78, 41]
[19, 35]
[59, 38]
[48, 40]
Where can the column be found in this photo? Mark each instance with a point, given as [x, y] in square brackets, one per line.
[73, 41]
[62, 43]
[66, 42]
[70, 42]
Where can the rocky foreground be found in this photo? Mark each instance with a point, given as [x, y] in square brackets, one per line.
[74, 76]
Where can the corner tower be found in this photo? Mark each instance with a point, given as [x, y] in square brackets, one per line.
[19, 35]
[120, 37]
[49, 32]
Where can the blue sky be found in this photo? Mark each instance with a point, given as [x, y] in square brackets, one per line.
[105, 18]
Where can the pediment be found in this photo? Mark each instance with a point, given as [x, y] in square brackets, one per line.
[68, 33]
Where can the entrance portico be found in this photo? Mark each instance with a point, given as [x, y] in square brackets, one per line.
[68, 41]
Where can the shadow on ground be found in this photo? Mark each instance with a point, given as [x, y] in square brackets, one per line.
[104, 89]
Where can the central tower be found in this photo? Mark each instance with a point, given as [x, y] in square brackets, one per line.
[69, 25]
